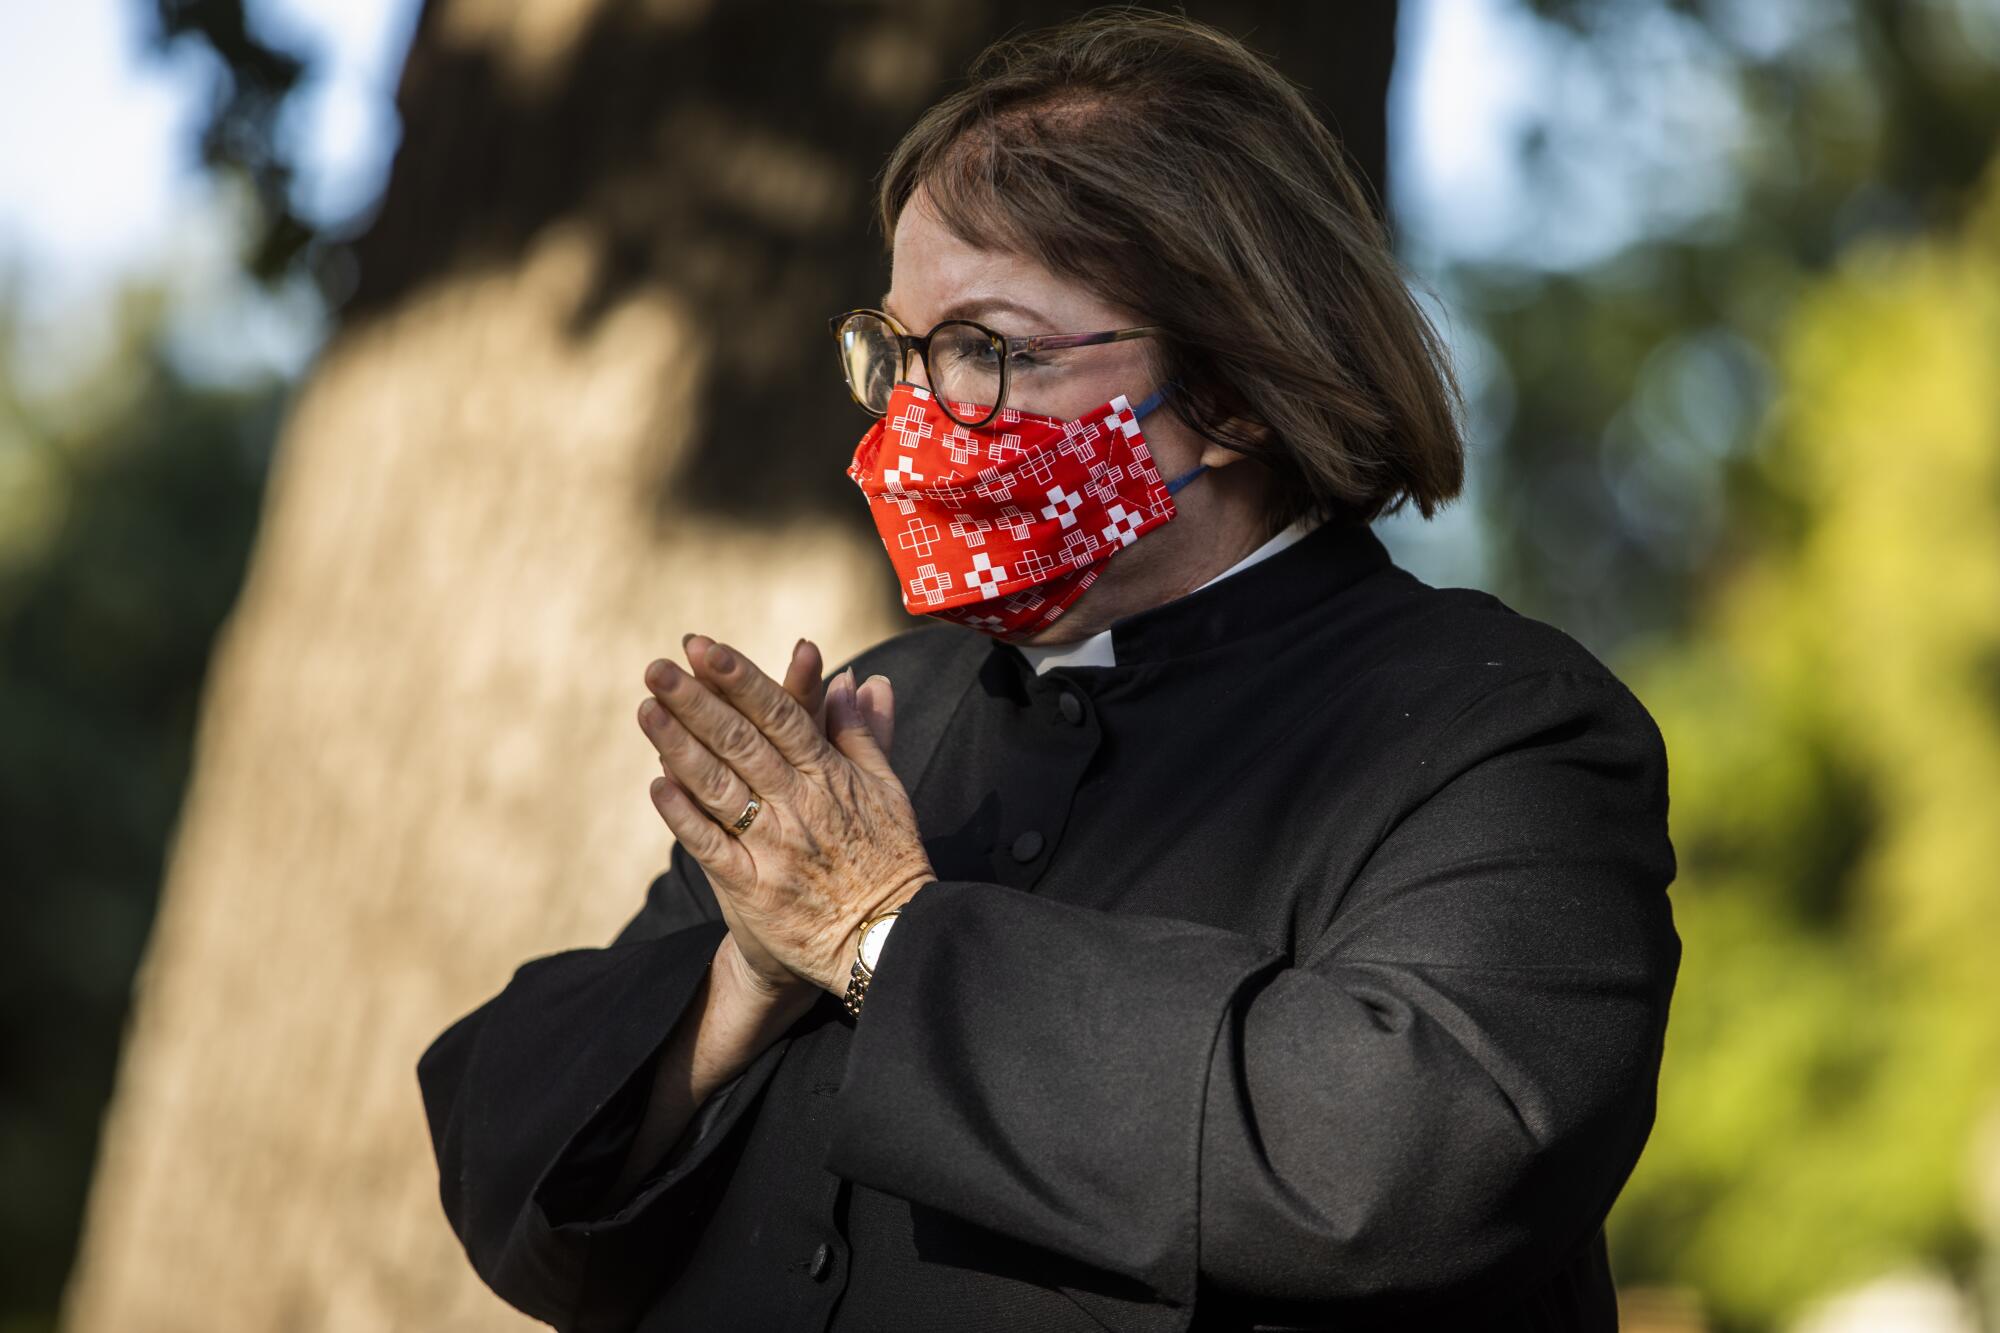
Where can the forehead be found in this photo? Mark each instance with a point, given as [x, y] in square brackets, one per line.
[927, 252]
[936, 274]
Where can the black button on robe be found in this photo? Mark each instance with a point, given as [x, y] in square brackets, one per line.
[1330, 995]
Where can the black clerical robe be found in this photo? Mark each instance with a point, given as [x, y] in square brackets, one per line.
[1306, 968]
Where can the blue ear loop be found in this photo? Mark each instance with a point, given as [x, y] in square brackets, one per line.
[1160, 396]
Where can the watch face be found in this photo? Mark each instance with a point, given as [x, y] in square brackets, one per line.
[871, 942]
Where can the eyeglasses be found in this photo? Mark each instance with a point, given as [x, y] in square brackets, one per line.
[968, 364]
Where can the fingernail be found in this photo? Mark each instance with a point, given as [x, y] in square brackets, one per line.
[684, 640]
[720, 658]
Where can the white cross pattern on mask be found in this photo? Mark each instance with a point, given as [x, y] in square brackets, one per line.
[995, 485]
[985, 575]
[1079, 548]
[1063, 505]
[1079, 441]
[1032, 564]
[1122, 418]
[1124, 529]
[1013, 538]
[971, 531]
[1014, 521]
[1025, 600]
[930, 584]
[961, 445]
[911, 428]
[1100, 489]
[919, 537]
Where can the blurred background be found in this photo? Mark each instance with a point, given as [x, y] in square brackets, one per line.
[376, 384]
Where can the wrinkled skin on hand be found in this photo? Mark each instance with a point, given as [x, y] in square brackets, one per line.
[836, 840]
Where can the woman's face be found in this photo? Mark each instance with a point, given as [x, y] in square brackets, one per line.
[935, 276]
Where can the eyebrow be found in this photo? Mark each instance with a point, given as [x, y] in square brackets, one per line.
[976, 307]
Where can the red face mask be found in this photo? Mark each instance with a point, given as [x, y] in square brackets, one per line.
[1003, 527]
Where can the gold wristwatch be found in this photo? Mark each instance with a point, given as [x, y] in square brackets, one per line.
[867, 950]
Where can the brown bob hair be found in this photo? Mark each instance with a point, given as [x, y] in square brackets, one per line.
[1170, 170]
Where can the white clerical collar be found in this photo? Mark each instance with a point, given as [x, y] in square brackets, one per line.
[1096, 650]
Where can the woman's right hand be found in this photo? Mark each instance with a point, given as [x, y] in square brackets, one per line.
[746, 976]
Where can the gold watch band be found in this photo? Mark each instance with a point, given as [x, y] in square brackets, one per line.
[857, 991]
[859, 975]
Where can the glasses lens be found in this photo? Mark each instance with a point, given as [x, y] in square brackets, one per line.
[871, 359]
[964, 363]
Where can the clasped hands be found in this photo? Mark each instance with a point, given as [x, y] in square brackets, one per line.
[836, 840]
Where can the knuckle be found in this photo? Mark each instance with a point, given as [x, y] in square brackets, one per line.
[798, 733]
[734, 734]
[678, 740]
[709, 780]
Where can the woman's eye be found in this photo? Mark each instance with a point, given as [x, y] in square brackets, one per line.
[974, 354]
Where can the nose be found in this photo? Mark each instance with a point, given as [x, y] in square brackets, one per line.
[917, 371]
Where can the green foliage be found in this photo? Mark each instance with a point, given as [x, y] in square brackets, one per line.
[1754, 458]
[128, 500]
[1625, 393]
[1833, 731]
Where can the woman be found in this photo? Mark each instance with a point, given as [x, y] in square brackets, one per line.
[1214, 926]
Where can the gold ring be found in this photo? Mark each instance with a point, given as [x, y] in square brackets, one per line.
[749, 813]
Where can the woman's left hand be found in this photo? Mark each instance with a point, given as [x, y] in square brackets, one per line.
[836, 840]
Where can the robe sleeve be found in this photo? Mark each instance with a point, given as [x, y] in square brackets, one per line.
[534, 1098]
[1434, 1096]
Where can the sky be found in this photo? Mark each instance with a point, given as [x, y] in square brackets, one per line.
[112, 188]
[102, 184]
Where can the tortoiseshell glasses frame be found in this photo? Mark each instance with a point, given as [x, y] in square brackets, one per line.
[860, 332]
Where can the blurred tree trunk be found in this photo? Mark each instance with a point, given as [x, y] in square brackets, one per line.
[577, 405]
